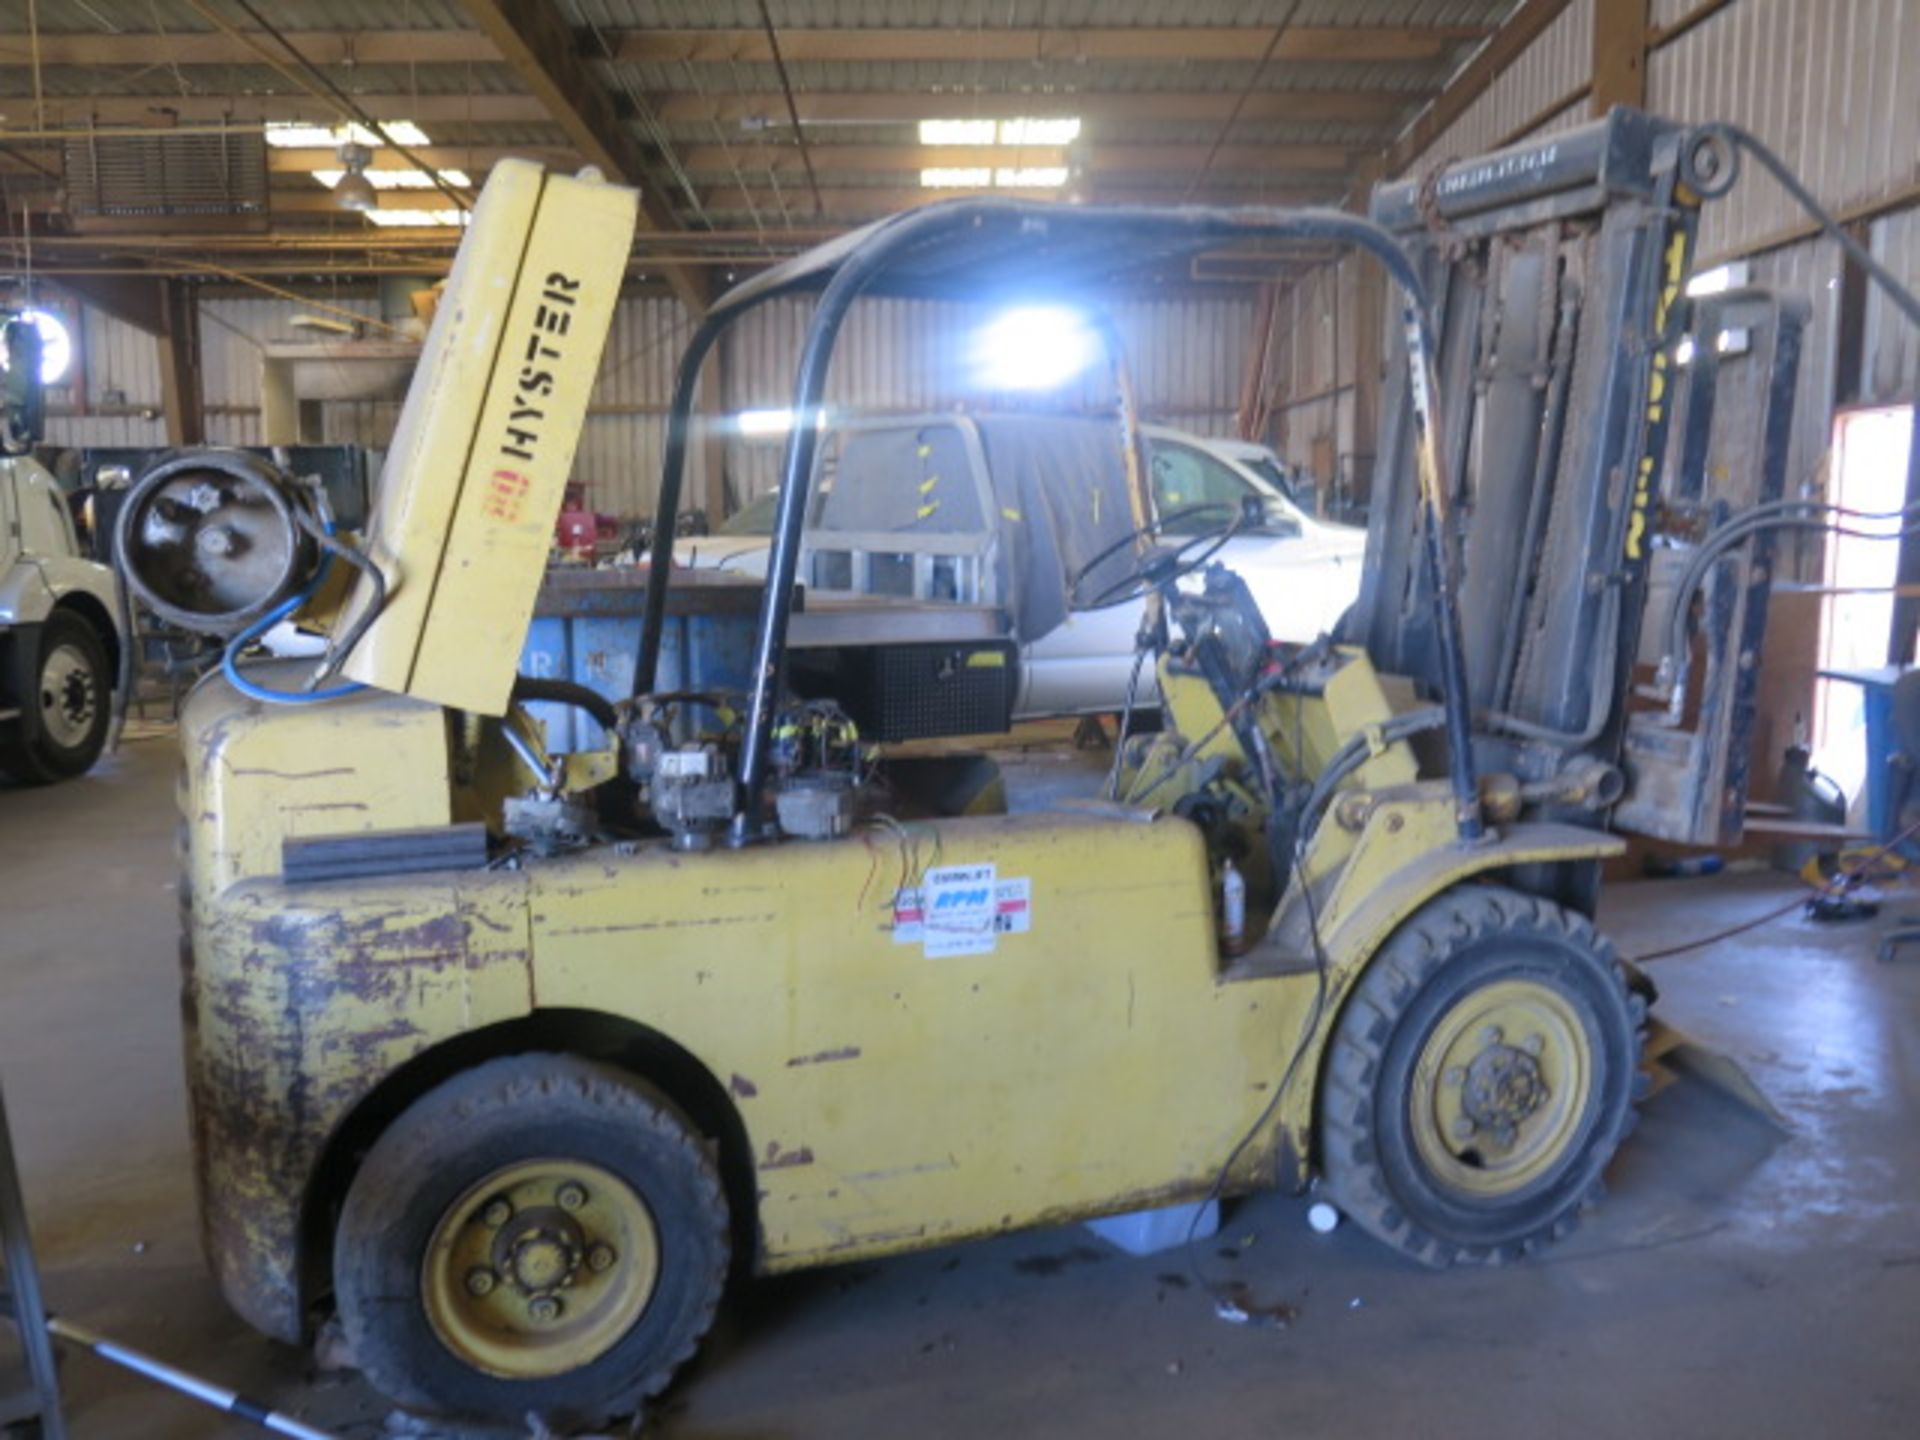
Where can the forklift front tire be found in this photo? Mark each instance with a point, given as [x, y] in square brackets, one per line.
[542, 1235]
[1480, 1078]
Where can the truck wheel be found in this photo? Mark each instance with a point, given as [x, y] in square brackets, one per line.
[1480, 1077]
[65, 693]
[542, 1235]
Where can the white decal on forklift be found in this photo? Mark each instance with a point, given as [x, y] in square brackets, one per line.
[962, 910]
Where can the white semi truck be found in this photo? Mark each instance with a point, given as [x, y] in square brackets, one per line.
[61, 638]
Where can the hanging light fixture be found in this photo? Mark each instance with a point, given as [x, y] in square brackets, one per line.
[355, 191]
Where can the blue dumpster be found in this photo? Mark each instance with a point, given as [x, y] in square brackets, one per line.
[586, 628]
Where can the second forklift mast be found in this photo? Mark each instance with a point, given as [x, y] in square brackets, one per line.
[1595, 417]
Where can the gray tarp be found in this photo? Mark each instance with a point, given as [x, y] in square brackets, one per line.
[1059, 484]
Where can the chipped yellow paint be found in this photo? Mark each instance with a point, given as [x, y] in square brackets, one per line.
[1108, 1058]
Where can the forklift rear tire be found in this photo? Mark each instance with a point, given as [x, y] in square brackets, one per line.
[64, 688]
[1480, 1078]
[542, 1235]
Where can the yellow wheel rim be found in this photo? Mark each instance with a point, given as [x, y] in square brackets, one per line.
[540, 1269]
[1500, 1090]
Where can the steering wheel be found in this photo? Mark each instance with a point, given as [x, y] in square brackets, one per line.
[1162, 567]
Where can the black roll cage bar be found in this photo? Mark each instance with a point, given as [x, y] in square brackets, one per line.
[867, 261]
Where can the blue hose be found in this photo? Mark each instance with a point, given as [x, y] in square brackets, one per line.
[229, 658]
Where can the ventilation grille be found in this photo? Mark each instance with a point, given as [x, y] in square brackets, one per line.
[143, 176]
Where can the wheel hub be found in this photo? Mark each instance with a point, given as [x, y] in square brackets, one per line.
[67, 697]
[1500, 1088]
[539, 1269]
[546, 1255]
[1503, 1087]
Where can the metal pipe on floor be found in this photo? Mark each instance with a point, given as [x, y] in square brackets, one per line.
[206, 1392]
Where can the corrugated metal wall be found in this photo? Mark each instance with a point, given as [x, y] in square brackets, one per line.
[1832, 85]
[120, 368]
[1187, 354]
[1311, 368]
[1535, 86]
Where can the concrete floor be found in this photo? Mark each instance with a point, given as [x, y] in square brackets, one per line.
[1732, 1284]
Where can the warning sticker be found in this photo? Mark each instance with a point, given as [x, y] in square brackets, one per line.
[962, 910]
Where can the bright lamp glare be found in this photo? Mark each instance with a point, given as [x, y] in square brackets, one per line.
[1036, 347]
[56, 345]
[764, 424]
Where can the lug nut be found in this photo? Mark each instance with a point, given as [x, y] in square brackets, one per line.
[571, 1196]
[1491, 1035]
[1534, 1044]
[544, 1309]
[1463, 1128]
[1454, 1075]
[480, 1280]
[600, 1258]
[497, 1213]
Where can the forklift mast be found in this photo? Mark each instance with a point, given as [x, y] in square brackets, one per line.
[1579, 449]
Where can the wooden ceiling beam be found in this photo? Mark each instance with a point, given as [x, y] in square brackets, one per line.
[533, 38]
[1147, 44]
[213, 47]
[1371, 107]
[16, 112]
[753, 159]
[1508, 43]
[474, 159]
[1142, 43]
[864, 202]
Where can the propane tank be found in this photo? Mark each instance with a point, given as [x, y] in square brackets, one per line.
[1233, 907]
[211, 540]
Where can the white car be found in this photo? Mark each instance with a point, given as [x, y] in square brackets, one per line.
[1303, 572]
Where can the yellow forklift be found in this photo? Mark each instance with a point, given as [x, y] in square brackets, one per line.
[507, 1057]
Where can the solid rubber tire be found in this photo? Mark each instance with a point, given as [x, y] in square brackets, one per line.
[519, 1108]
[1466, 937]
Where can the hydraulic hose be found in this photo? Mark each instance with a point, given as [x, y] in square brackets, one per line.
[530, 689]
[230, 657]
[1779, 514]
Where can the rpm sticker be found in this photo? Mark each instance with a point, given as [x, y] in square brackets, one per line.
[962, 910]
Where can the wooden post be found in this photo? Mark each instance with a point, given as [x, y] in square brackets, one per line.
[1619, 54]
[179, 343]
[1369, 333]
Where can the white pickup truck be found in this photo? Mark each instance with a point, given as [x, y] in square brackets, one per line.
[952, 544]
[60, 635]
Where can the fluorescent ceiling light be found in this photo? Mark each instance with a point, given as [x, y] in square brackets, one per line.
[1038, 131]
[956, 132]
[1022, 130]
[399, 179]
[1031, 177]
[298, 135]
[956, 177]
[448, 216]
